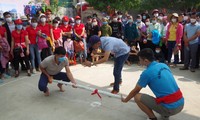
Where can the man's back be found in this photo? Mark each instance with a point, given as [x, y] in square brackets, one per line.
[161, 81]
[115, 45]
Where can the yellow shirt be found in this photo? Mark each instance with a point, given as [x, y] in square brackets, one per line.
[172, 32]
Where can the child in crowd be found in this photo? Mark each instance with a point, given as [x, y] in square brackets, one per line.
[69, 47]
[132, 56]
[96, 54]
[159, 56]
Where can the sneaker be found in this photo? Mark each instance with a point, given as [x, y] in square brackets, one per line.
[184, 68]
[112, 84]
[115, 91]
[34, 71]
[164, 117]
[192, 69]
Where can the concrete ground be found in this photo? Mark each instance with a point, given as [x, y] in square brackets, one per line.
[20, 98]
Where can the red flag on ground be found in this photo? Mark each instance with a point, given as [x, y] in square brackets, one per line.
[96, 92]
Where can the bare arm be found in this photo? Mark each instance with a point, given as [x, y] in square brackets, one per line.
[104, 59]
[135, 91]
[69, 75]
[44, 71]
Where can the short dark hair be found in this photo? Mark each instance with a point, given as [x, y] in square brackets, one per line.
[60, 51]
[193, 13]
[6, 13]
[146, 53]
[33, 19]
[55, 21]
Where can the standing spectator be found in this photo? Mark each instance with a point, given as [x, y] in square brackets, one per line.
[20, 47]
[153, 26]
[131, 32]
[56, 35]
[79, 31]
[46, 30]
[48, 14]
[10, 26]
[4, 52]
[106, 30]
[174, 34]
[25, 22]
[142, 31]
[116, 27]
[66, 29]
[191, 34]
[155, 13]
[33, 30]
[88, 27]
[198, 52]
[145, 16]
[95, 28]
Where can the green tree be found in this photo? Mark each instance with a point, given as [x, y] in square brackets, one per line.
[122, 5]
[127, 5]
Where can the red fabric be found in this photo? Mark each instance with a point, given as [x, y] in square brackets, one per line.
[56, 33]
[2, 31]
[66, 29]
[79, 28]
[170, 98]
[45, 29]
[32, 34]
[96, 92]
[17, 36]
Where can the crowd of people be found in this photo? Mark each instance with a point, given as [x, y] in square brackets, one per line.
[42, 44]
[28, 41]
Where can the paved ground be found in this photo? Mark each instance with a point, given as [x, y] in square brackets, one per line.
[20, 98]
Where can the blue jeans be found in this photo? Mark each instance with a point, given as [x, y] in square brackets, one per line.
[118, 65]
[171, 46]
[85, 48]
[43, 82]
[34, 53]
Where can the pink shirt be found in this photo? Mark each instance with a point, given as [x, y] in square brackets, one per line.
[179, 33]
[69, 45]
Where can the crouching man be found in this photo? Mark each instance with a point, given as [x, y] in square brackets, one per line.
[168, 98]
[51, 69]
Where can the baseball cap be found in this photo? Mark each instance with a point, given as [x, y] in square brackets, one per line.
[93, 40]
[18, 21]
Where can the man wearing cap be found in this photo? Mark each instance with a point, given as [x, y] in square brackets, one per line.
[111, 45]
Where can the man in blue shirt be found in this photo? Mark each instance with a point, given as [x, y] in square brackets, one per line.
[191, 34]
[120, 51]
[168, 98]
